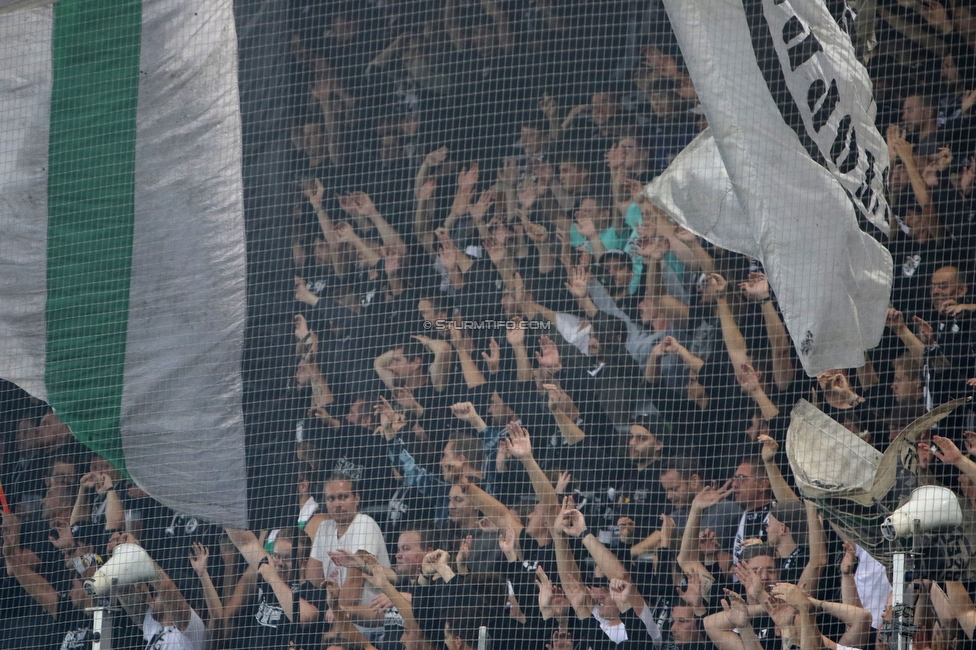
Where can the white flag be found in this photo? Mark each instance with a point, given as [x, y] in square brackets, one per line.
[791, 170]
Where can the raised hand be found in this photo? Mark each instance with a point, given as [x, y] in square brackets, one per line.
[348, 204]
[562, 482]
[714, 287]
[198, 558]
[464, 550]
[708, 542]
[620, 593]
[376, 576]
[427, 190]
[750, 580]
[344, 232]
[748, 378]
[711, 495]
[391, 421]
[516, 335]
[364, 204]
[848, 564]
[301, 328]
[315, 192]
[667, 345]
[791, 595]
[433, 560]
[493, 357]
[436, 157]
[579, 278]
[894, 319]
[654, 248]
[544, 584]
[549, 357]
[736, 609]
[667, 531]
[769, 447]
[952, 309]
[572, 522]
[756, 288]
[559, 400]
[935, 13]
[465, 411]
[519, 444]
[467, 178]
[479, 208]
[924, 331]
[944, 449]
[302, 293]
[103, 482]
[62, 538]
[506, 542]
[969, 437]
[684, 235]
[586, 227]
[342, 557]
[380, 603]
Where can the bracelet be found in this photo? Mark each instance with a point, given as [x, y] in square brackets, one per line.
[582, 535]
[263, 561]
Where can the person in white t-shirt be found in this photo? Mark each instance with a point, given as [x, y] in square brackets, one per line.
[347, 530]
[167, 620]
[171, 637]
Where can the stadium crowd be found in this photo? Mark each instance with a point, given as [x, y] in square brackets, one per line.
[525, 399]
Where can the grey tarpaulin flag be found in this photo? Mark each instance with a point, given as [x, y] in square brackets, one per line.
[855, 487]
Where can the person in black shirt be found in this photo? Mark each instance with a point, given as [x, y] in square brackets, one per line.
[751, 490]
[786, 531]
[734, 628]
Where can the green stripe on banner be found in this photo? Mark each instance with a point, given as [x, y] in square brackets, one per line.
[91, 183]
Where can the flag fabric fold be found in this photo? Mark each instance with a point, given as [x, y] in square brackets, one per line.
[122, 282]
[791, 169]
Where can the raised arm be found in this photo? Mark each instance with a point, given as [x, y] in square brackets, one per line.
[440, 367]
[520, 447]
[391, 238]
[500, 516]
[516, 338]
[721, 626]
[198, 560]
[565, 413]
[377, 577]
[895, 320]
[689, 558]
[810, 636]
[569, 574]
[810, 578]
[469, 368]
[346, 234]
[735, 343]
[423, 216]
[652, 250]
[574, 525]
[757, 288]
[781, 489]
[949, 453]
[857, 623]
[19, 563]
[905, 151]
